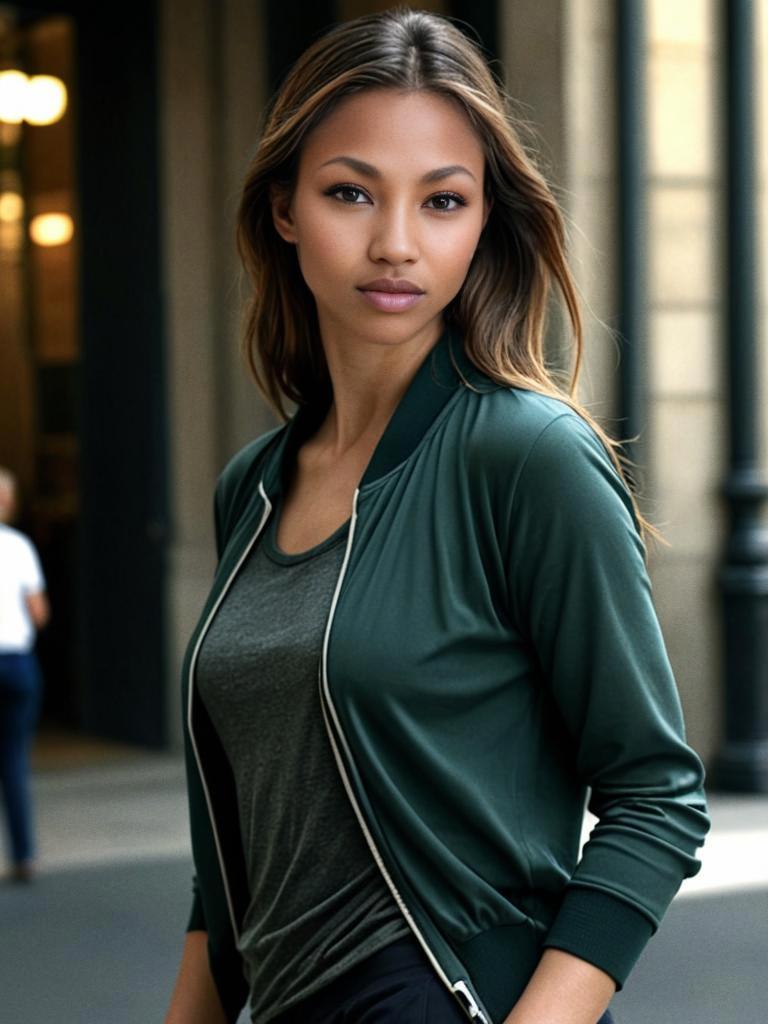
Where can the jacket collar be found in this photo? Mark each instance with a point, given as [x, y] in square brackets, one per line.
[444, 369]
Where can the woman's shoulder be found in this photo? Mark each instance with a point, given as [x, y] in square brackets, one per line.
[236, 483]
[547, 466]
[511, 425]
[243, 461]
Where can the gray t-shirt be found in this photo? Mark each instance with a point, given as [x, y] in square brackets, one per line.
[318, 901]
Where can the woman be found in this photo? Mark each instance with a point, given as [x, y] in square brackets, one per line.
[430, 629]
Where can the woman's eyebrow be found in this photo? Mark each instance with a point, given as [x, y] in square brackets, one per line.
[361, 167]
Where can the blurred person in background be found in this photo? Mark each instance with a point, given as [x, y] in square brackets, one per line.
[23, 610]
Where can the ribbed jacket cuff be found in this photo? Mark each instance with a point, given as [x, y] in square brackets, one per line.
[601, 929]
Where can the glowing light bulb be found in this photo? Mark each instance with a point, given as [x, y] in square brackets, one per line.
[13, 96]
[51, 229]
[11, 207]
[45, 100]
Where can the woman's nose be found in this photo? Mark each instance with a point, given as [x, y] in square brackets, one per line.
[395, 237]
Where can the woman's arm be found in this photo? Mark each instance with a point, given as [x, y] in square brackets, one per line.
[564, 989]
[38, 608]
[195, 999]
[579, 587]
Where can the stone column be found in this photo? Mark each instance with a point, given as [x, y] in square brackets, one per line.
[212, 88]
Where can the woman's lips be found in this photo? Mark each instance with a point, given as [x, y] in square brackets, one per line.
[391, 294]
[391, 302]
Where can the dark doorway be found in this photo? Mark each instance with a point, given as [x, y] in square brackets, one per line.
[87, 432]
[40, 339]
[123, 469]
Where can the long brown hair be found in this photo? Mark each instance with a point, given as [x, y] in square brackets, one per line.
[501, 309]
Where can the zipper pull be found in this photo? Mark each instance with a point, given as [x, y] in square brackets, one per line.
[461, 989]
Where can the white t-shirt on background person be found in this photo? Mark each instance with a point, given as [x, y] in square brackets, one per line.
[20, 575]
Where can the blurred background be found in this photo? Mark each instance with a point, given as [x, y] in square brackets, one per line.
[125, 132]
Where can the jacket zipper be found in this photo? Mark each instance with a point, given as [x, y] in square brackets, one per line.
[459, 989]
[190, 693]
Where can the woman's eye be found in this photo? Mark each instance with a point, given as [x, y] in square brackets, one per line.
[446, 201]
[347, 193]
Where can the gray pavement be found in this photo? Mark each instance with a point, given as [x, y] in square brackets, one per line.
[96, 939]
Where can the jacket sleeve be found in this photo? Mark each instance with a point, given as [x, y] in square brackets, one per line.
[579, 587]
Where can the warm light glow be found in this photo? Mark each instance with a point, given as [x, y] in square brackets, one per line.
[45, 100]
[51, 228]
[13, 96]
[41, 99]
[11, 207]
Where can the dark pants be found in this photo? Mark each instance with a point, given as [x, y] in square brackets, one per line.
[396, 985]
[20, 690]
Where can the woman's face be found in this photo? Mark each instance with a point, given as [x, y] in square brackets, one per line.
[389, 191]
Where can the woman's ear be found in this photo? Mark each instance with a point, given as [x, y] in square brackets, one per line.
[282, 216]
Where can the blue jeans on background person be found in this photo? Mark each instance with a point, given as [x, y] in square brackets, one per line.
[20, 691]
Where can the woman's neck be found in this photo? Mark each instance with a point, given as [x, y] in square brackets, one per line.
[368, 383]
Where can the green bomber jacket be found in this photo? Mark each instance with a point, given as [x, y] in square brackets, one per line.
[492, 664]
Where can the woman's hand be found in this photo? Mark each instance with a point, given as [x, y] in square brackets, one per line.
[564, 989]
[195, 999]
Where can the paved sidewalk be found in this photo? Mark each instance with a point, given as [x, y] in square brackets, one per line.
[112, 813]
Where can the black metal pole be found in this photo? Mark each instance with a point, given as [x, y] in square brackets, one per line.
[632, 221]
[742, 762]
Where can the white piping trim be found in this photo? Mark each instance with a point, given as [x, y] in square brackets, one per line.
[190, 686]
[468, 1003]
